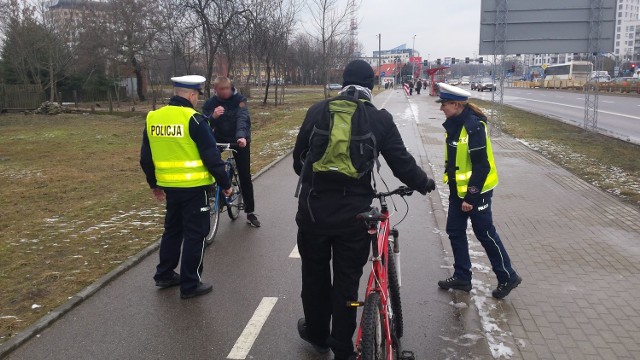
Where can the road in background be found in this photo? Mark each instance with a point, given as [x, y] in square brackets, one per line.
[618, 115]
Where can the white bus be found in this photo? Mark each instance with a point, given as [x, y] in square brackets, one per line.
[571, 74]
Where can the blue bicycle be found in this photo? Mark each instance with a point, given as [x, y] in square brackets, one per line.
[217, 201]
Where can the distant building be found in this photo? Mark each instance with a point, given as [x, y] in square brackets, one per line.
[68, 15]
[401, 53]
[627, 21]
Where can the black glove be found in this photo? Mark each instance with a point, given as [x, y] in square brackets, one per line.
[431, 185]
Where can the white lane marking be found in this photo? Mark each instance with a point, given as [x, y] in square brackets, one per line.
[582, 107]
[387, 100]
[295, 254]
[607, 102]
[252, 330]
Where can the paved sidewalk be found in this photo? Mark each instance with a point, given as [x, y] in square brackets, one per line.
[577, 248]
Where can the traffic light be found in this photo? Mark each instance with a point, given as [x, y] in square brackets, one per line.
[438, 61]
[453, 61]
[425, 62]
[480, 60]
[466, 60]
[633, 66]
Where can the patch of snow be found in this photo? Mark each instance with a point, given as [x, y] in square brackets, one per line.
[36, 306]
[460, 305]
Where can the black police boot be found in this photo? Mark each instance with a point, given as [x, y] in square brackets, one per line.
[455, 283]
[173, 281]
[505, 288]
[302, 331]
[202, 289]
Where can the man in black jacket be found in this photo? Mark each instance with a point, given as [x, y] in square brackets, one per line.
[181, 168]
[327, 224]
[228, 116]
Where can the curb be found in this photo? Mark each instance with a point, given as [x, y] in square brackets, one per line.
[84, 294]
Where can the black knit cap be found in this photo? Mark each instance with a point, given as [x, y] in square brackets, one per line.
[358, 72]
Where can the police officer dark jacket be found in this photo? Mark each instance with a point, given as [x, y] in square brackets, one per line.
[477, 145]
[235, 123]
[335, 205]
[200, 133]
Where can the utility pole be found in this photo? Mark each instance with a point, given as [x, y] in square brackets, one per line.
[413, 55]
[379, 57]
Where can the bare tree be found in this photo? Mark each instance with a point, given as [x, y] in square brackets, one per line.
[330, 22]
[212, 18]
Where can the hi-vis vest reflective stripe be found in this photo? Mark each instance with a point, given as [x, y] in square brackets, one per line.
[175, 155]
[463, 164]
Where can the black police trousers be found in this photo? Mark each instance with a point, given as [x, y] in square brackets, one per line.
[186, 224]
[243, 162]
[325, 301]
[482, 224]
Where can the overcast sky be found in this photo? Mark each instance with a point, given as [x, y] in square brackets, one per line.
[443, 28]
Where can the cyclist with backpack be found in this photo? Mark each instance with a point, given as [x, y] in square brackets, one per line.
[334, 156]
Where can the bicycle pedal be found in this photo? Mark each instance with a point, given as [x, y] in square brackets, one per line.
[407, 355]
[240, 206]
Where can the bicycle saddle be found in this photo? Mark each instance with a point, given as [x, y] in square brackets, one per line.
[371, 216]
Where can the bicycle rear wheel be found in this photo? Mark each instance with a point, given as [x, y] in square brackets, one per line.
[235, 204]
[214, 215]
[374, 341]
[394, 296]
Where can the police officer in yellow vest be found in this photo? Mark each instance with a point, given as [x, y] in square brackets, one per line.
[181, 161]
[471, 173]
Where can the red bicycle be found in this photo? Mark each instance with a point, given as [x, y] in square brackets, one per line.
[381, 325]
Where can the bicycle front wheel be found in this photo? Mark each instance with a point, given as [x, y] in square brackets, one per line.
[235, 204]
[214, 215]
[394, 296]
[374, 340]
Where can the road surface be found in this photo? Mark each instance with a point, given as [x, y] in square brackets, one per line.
[256, 278]
[618, 115]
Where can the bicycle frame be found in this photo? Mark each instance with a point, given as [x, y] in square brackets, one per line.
[378, 279]
[230, 165]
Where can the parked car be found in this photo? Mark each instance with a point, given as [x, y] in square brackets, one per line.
[334, 87]
[464, 82]
[486, 84]
[474, 85]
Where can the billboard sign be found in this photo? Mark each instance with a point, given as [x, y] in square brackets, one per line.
[546, 26]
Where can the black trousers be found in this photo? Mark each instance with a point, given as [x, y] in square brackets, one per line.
[243, 162]
[418, 90]
[482, 224]
[186, 225]
[324, 301]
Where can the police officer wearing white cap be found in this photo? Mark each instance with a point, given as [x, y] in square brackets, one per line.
[181, 161]
[471, 173]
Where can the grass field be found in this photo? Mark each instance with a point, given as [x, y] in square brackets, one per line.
[74, 203]
[611, 164]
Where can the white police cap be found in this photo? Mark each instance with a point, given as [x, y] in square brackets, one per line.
[452, 93]
[189, 82]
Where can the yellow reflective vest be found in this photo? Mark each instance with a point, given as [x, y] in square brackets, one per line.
[175, 155]
[463, 164]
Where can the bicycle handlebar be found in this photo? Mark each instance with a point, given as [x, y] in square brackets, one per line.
[226, 146]
[402, 191]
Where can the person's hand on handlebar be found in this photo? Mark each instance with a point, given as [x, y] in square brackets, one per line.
[227, 192]
[431, 185]
[242, 142]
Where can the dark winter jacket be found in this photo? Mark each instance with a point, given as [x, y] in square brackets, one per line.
[477, 145]
[332, 207]
[200, 134]
[235, 123]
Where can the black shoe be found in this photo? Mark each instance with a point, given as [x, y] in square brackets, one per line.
[455, 283]
[174, 281]
[505, 288]
[302, 331]
[252, 220]
[200, 290]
